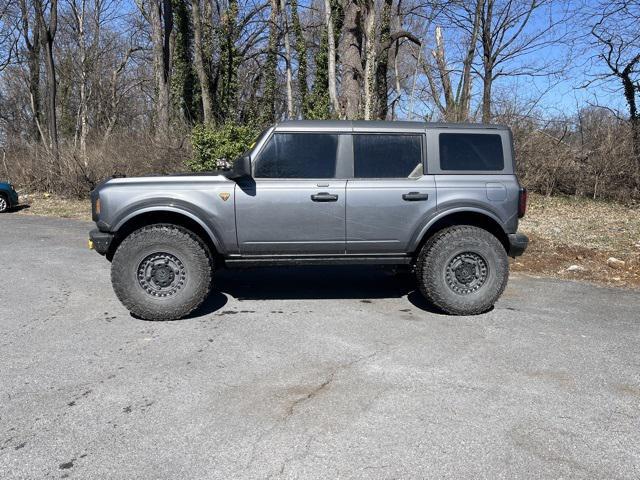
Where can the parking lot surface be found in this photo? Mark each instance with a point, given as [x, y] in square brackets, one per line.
[307, 373]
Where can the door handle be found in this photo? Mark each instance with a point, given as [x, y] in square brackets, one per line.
[324, 197]
[415, 196]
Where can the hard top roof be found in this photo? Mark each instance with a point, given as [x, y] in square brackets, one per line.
[376, 125]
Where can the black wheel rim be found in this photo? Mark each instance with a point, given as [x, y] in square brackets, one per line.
[161, 274]
[466, 273]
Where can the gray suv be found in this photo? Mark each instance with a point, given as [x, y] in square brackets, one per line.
[442, 199]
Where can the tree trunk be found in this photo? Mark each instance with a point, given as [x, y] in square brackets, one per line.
[227, 75]
[350, 48]
[33, 62]
[445, 77]
[183, 77]
[287, 55]
[301, 51]
[382, 65]
[47, 36]
[331, 39]
[464, 101]
[487, 60]
[79, 18]
[201, 71]
[370, 58]
[161, 18]
[634, 116]
[271, 68]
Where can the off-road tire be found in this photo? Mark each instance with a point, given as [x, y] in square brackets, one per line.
[193, 260]
[438, 283]
[4, 205]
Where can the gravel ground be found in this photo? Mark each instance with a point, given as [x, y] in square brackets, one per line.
[307, 373]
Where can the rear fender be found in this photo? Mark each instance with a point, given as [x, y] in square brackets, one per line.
[423, 231]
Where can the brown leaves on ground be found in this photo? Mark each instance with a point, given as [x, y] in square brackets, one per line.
[566, 231]
[54, 206]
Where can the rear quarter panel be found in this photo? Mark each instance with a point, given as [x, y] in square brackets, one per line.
[492, 193]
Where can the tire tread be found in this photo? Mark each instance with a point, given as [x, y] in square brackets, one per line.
[431, 283]
[173, 233]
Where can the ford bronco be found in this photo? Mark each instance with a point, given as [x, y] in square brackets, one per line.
[442, 199]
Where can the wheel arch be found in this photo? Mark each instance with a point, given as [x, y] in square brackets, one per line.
[474, 217]
[166, 215]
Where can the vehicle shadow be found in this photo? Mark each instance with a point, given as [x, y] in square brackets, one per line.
[311, 282]
[361, 282]
[17, 208]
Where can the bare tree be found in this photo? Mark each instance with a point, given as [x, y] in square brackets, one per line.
[48, 22]
[159, 15]
[287, 57]
[30, 31]
[617, 35]
[200, 62]
[456, 101]
[333, 89]
[511, 30]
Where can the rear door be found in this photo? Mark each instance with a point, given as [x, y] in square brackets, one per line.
[390, 196]
[295, 202]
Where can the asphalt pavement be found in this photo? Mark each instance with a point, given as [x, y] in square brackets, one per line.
[309, 373]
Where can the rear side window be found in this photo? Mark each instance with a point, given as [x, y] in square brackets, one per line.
[387, 156]
[471, 151]
[298, 155]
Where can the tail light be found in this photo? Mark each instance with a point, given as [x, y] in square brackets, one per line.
[522, 202]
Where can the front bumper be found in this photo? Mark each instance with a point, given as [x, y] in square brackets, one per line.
[100, 241]
[517, 244]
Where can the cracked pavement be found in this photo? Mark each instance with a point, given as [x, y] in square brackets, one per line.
[307, 373]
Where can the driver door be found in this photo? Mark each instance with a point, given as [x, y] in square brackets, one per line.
[294, 203]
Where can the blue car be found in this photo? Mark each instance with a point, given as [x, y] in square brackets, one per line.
[8, 197]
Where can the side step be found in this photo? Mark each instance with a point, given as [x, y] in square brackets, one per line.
[269, 261]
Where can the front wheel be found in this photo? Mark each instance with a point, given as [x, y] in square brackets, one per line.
[161, 272]
[4, 204]
[463, 270]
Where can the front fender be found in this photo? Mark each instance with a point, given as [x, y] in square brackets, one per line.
[174, 206]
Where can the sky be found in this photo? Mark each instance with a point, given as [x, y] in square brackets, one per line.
[569, 88]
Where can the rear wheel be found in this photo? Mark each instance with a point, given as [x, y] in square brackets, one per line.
[4, 204]
[463, 270]
[161, 272]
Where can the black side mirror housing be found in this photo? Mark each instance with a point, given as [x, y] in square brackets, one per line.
[241, 168]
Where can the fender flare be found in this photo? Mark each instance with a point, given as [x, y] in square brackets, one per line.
[422, 231]
[134, 212]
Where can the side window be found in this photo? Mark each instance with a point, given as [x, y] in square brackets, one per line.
[387, 156]
[298, 155]
[471, 151]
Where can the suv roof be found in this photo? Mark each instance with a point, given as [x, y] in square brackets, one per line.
[376, 125]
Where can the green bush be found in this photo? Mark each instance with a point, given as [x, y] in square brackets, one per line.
[213, 145]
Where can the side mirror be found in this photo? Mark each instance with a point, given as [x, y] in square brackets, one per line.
[241, 168]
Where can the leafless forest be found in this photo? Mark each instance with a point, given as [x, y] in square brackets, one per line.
[93, 88]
